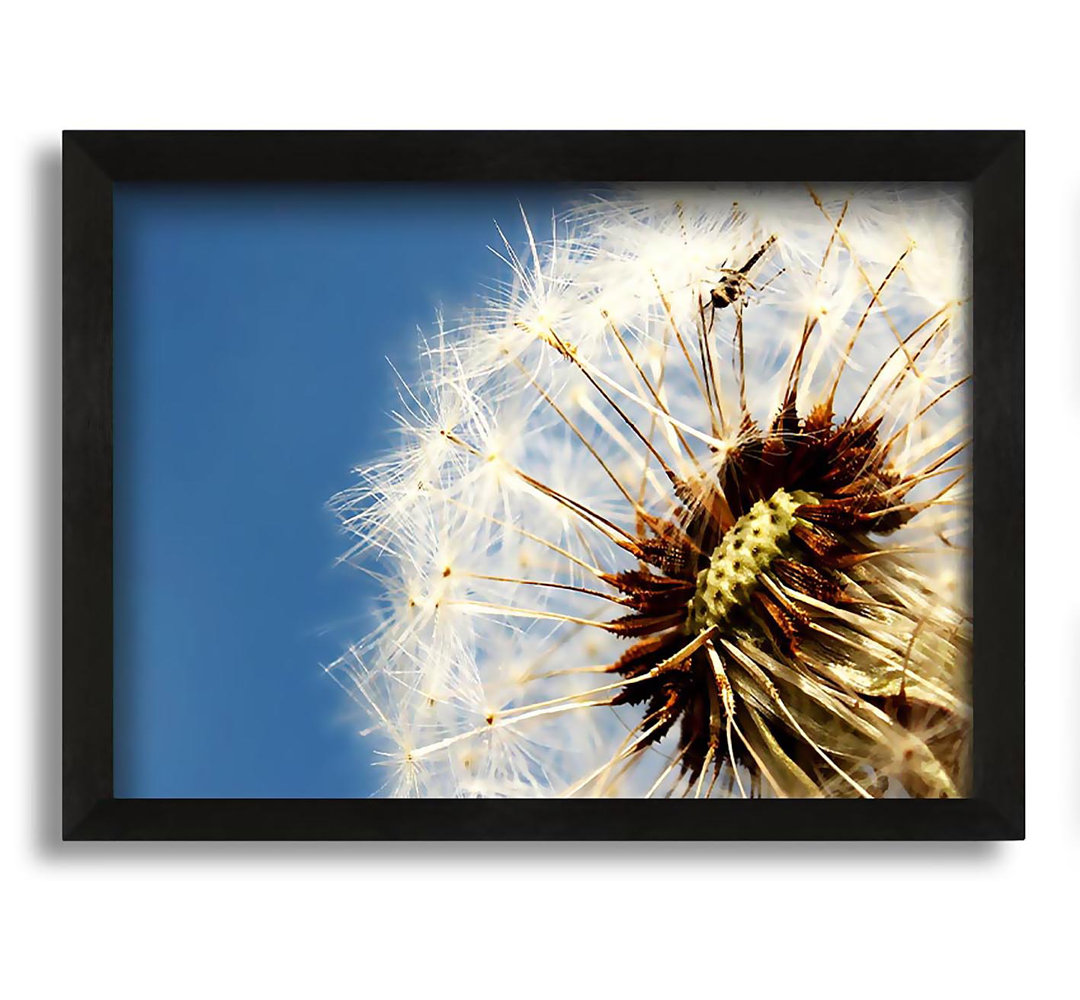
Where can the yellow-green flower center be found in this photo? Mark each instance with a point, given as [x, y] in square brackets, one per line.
[744, 553]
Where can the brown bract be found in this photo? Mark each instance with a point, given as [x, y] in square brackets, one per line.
[843, 466]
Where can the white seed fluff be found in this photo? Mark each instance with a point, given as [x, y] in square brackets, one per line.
[535, 438]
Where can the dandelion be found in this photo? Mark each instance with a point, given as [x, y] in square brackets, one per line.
[683, 510]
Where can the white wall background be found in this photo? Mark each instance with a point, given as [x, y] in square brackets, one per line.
[622, 920]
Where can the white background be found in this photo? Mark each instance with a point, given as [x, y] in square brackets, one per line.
[479, 920]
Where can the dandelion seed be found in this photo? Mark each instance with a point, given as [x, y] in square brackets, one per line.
[684, 510]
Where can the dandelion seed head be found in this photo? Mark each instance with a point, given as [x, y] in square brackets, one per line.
[682, 509]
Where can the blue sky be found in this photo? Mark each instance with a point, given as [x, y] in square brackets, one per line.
[251, 331]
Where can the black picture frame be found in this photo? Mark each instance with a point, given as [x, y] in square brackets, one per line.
[992, 162]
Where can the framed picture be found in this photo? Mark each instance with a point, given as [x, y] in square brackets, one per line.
[690, 512]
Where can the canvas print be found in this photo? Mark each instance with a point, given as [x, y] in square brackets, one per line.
[677, 503]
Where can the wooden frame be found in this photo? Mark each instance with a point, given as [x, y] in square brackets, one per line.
[992, 162]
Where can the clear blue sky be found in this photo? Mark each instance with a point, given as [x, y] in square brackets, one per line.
[251, 331]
